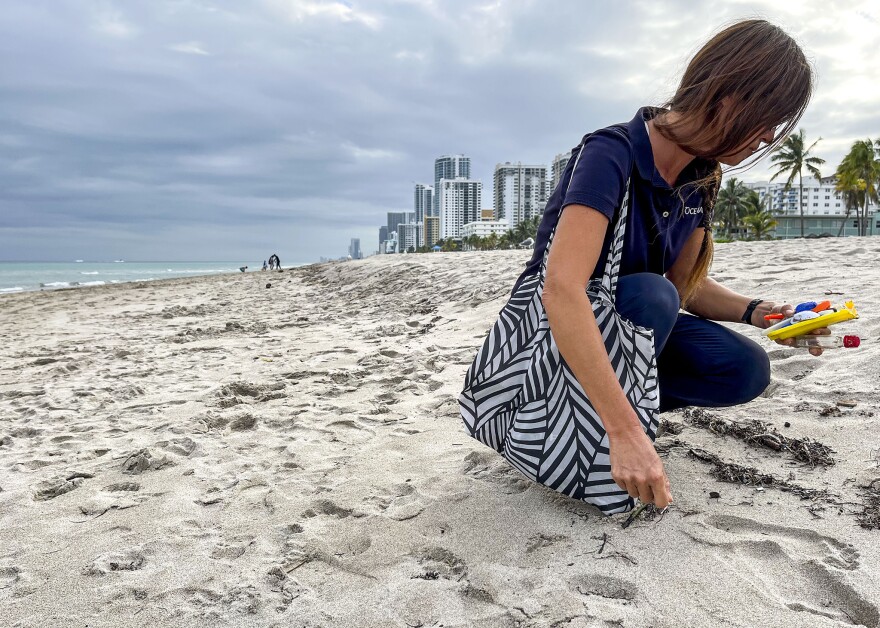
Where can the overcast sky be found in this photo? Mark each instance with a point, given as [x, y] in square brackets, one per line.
[200, 130]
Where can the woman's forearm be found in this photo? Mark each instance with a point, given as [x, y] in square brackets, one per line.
[717, 303]
[580, 343]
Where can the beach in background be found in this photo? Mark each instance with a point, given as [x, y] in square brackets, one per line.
[285, 449]
[30, 276]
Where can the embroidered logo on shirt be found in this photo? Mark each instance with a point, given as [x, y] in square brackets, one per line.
[693, 211]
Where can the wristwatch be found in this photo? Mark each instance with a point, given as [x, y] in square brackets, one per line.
[747, 316]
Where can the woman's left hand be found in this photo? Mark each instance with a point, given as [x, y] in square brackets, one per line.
[787, 310]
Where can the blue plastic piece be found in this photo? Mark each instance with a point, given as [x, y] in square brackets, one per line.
[809, 305]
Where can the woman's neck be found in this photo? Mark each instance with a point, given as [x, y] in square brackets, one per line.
[669, 158]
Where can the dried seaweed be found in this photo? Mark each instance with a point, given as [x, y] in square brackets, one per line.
[757, 432]
[749, 476]
[869, 518]
[669, 427]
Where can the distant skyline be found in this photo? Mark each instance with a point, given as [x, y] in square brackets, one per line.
[199, 130]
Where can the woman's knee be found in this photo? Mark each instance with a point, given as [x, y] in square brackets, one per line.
[648, 297]
[753, 370]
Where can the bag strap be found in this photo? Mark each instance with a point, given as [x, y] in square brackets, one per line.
[615, 251]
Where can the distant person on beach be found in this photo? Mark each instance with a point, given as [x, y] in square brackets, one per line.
[274, 262]
[242, 268]
[265, 266]
[741, 94]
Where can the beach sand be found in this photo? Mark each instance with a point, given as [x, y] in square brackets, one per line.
[220, 452]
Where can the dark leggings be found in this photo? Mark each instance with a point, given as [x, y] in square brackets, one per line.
[700, 363]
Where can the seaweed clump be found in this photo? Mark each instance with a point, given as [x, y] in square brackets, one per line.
[804, 450]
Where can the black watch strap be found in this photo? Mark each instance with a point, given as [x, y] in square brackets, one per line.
[747, 316]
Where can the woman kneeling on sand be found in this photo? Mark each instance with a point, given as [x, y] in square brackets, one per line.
[747, 87]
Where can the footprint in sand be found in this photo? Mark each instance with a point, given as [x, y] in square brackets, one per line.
[604, 586]
[350, 432]
[232, 548]
[131, 559]
[400, 502]
[18, 583]
[795, 368]
[8, 577]
[799, 568]
[440, 561]
[489, 466]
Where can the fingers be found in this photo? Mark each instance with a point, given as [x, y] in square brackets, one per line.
[646, 494]
[786, 309]
[822, 331]
[663, 494]
[657, 492]
[817, 351]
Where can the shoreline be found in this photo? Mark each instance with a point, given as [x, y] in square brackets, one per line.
[101, 284]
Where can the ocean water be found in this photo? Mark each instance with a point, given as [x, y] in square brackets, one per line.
[29, 276]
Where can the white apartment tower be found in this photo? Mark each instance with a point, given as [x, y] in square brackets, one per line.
[557, 169]
[520, 192]
[459, 202]
[449, 167]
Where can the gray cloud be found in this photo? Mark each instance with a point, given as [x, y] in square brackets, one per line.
[191, 129]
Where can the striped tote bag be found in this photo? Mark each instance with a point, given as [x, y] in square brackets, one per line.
[522, 399]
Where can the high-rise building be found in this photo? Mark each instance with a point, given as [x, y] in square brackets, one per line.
[557, 169]
[459, 203]
[424, 207]
[383, 237]
[409, 236]
[423, 201]
[432, 230]
[396, 218]
[520, 192]
[449, 167]
[354, 249]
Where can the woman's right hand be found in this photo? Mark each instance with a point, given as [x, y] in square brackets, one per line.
[638, 470]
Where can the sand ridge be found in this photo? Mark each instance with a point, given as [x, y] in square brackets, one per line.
[213, 451]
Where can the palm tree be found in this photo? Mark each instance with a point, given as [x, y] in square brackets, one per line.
[849, 190]
[534, 223]
[731, 205]
[522, 231]
[859, 175]
[754, 203]
[760, 223]
[791, 158]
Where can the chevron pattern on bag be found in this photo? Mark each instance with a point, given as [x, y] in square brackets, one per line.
[523, 400]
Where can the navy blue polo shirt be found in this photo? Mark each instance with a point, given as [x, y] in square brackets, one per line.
[661, 218]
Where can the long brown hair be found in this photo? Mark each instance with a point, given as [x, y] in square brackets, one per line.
[765, 80]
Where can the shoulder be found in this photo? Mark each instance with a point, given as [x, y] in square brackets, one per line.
[603, 162]
[612, 143]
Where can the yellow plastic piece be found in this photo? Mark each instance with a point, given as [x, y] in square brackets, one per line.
[845, 313]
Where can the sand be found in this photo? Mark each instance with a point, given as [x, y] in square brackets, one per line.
[220, 452]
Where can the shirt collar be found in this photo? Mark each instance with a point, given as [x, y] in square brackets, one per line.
[644, 154]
